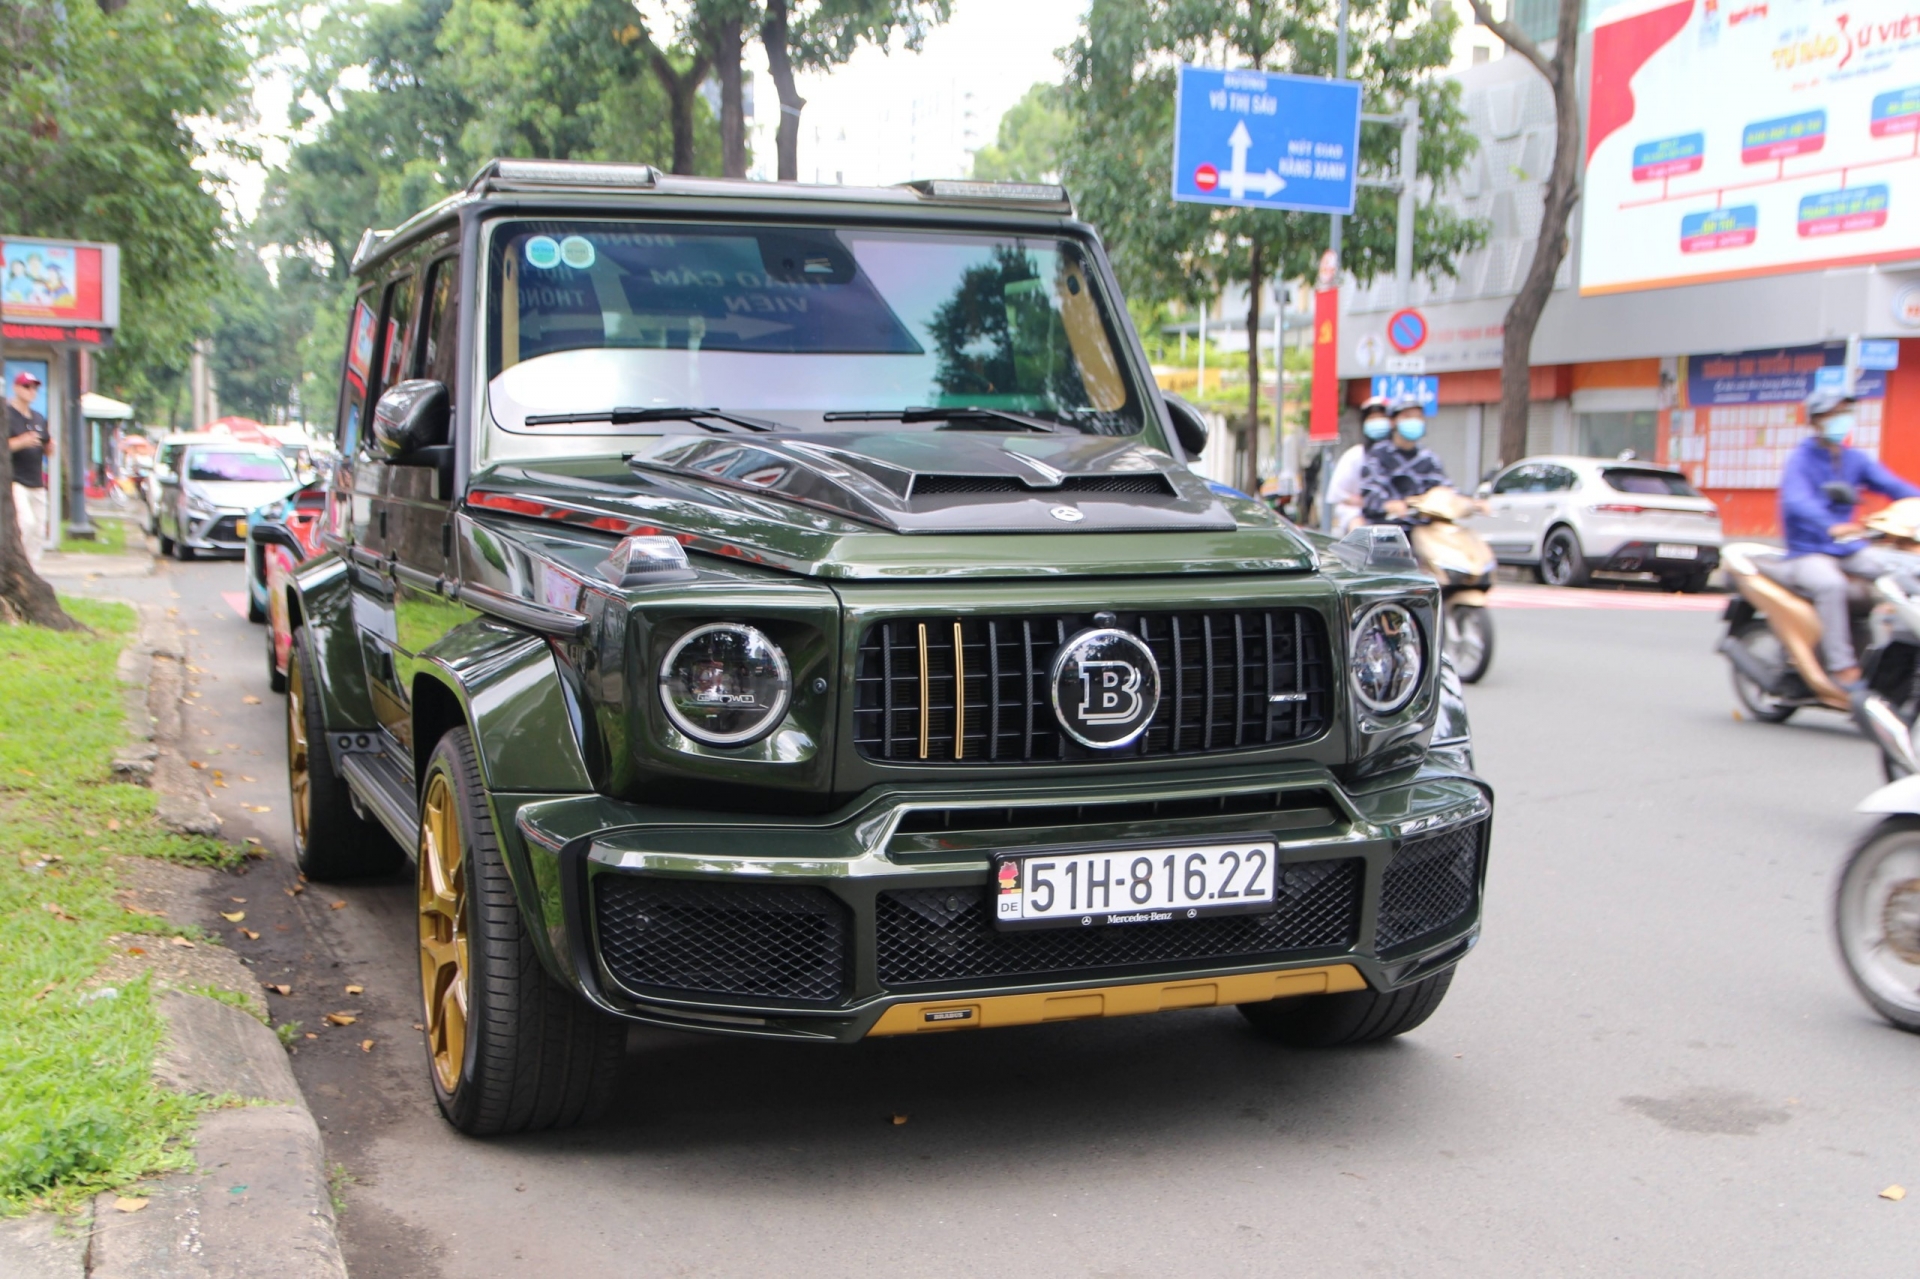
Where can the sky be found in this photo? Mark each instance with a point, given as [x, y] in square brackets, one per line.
[884, 117]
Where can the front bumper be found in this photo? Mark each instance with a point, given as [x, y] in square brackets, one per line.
[875, 920]
[1643, 556]
[217, 532]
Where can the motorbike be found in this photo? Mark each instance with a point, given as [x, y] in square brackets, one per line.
[1772, 640]
[1876, 904]
[1464, 566]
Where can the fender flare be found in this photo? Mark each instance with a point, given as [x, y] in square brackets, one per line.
[320, 605]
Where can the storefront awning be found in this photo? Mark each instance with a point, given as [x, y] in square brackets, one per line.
[100, 407]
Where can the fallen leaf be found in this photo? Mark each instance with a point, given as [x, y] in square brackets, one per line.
[136, 950]
[356, 990]
[194, 763]
[336, 905]
[53, 908]
[311, 1035]
[418, 1026]
[366, 1045]
[341, 1019]
[233, 916]
[245, 778]
[241, 900]
[129, 1203]
[91, 834]
[251, 700]
[898, 1120]
[295, 891]
[113, 823]
[44, 991]
[1895, 1193]
[249, 934]
[182, 942]
[135, 910]
[258, 808]
[278, 989]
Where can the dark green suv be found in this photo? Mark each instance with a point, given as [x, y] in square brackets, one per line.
[788, 611]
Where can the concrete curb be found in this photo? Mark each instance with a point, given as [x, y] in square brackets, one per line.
[155, 669]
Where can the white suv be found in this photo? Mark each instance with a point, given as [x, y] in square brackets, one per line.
[1576, 518]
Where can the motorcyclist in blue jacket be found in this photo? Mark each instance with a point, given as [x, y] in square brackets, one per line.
[1819, 490]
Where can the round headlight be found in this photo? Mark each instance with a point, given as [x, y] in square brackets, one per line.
[725, 684]
[1387, 658]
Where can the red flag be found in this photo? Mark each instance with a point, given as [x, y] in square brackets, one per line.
[1324, 421]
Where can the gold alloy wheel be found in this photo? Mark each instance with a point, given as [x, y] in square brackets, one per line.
[443, 931]
[299, 776]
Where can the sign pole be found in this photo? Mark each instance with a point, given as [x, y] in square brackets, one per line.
[79, 455]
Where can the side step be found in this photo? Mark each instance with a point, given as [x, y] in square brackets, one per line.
[379, 784]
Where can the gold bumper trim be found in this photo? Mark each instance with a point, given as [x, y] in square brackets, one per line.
[1115, 1001]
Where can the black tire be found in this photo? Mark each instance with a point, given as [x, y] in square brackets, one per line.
[1562, 563]
[166, 544]
[182, 552]
[255, 613]
[533, 1055]
[1756, 701]
[276, 678]
[1351, 1017]
[330, 839]
[1877, 922]
[1469, 632]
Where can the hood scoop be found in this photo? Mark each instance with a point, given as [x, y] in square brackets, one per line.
[938, 482]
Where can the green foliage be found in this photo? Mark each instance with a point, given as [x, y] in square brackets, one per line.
[1032, 142]
[79, 1111]
[1120, 93]
[95, 143]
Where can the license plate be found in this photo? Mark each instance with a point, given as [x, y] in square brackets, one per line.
[1080, 888]
[1670, 551]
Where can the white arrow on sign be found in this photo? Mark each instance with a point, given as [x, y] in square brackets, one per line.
[1236, 180]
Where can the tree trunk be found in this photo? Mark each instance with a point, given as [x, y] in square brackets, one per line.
[24, 594]
[1252, 474]
[786, 140]
[681, 87]
[728, 43]
[1563, 192]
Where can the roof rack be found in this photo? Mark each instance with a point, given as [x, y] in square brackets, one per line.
[568, 175]
[1047, 195]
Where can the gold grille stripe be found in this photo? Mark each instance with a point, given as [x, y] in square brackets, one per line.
[926, 699]
[959, 695]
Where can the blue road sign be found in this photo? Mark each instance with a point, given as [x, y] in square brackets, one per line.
[1880, 354]
[1264, 141]
[1424, 391]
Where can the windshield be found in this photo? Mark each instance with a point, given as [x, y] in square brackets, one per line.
[791, 323]
[1659, 483]
[237, 466]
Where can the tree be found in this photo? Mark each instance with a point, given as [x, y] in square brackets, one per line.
[1031, 141]
[1563, 191]
[818, 34]
[1120, 97]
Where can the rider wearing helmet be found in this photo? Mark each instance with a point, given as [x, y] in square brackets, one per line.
[1819, 490]
[1343, 490]
[1399, 467]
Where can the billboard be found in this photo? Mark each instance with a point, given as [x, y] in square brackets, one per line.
[1733, 138]
[59, 291]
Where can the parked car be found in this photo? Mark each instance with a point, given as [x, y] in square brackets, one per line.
[210, 489]
[1573, 519]
[787, 612]
[281, 536]
[166, 459]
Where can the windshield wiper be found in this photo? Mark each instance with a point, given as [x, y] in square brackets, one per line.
[956, 416]
[635, 416]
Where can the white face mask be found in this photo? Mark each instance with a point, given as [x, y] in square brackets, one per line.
[1377, 427]
[1410, 428]
[1836, 429]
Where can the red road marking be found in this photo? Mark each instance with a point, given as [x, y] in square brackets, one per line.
[237, 600]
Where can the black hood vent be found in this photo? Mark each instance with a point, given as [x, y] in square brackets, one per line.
[1146, 485]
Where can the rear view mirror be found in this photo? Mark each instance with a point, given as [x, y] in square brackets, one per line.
[411, 416]
[1188, 424]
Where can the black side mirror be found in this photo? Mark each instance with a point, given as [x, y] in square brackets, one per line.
[273, 534]
[411, 416]
[1188, 425]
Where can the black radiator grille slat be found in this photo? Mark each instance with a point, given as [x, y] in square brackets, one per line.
[943, 936]
[776, 943]
[1430, 884]
[1220, 672]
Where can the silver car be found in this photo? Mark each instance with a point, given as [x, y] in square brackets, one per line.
[206, 494]
[1573, 519]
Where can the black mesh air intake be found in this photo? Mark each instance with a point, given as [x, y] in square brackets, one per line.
[944, 936]
[758, 941]
[1430, 884]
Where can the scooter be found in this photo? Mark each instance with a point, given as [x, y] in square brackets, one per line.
[1464, 565]
[1876, 905]
[1772, 639]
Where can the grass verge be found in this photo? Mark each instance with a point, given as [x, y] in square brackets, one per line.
[110, 539]
[79, 1111]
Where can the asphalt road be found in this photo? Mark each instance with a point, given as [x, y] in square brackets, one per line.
[1652, 1064]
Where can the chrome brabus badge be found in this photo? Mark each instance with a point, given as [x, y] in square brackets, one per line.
[1105, 688]
[1068, 514]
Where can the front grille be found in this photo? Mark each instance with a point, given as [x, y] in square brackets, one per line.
[224, 529]
[1219, 675]
[750, 940]
[1146, 484]
[945, 936]
[1430, 884]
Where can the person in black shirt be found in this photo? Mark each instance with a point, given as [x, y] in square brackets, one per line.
[29, 442]
[1399, 467]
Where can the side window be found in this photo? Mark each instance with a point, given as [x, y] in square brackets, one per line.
[441, 333]
[1562, 479]
[390, 351]
[355, 372]
[1514, 481]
